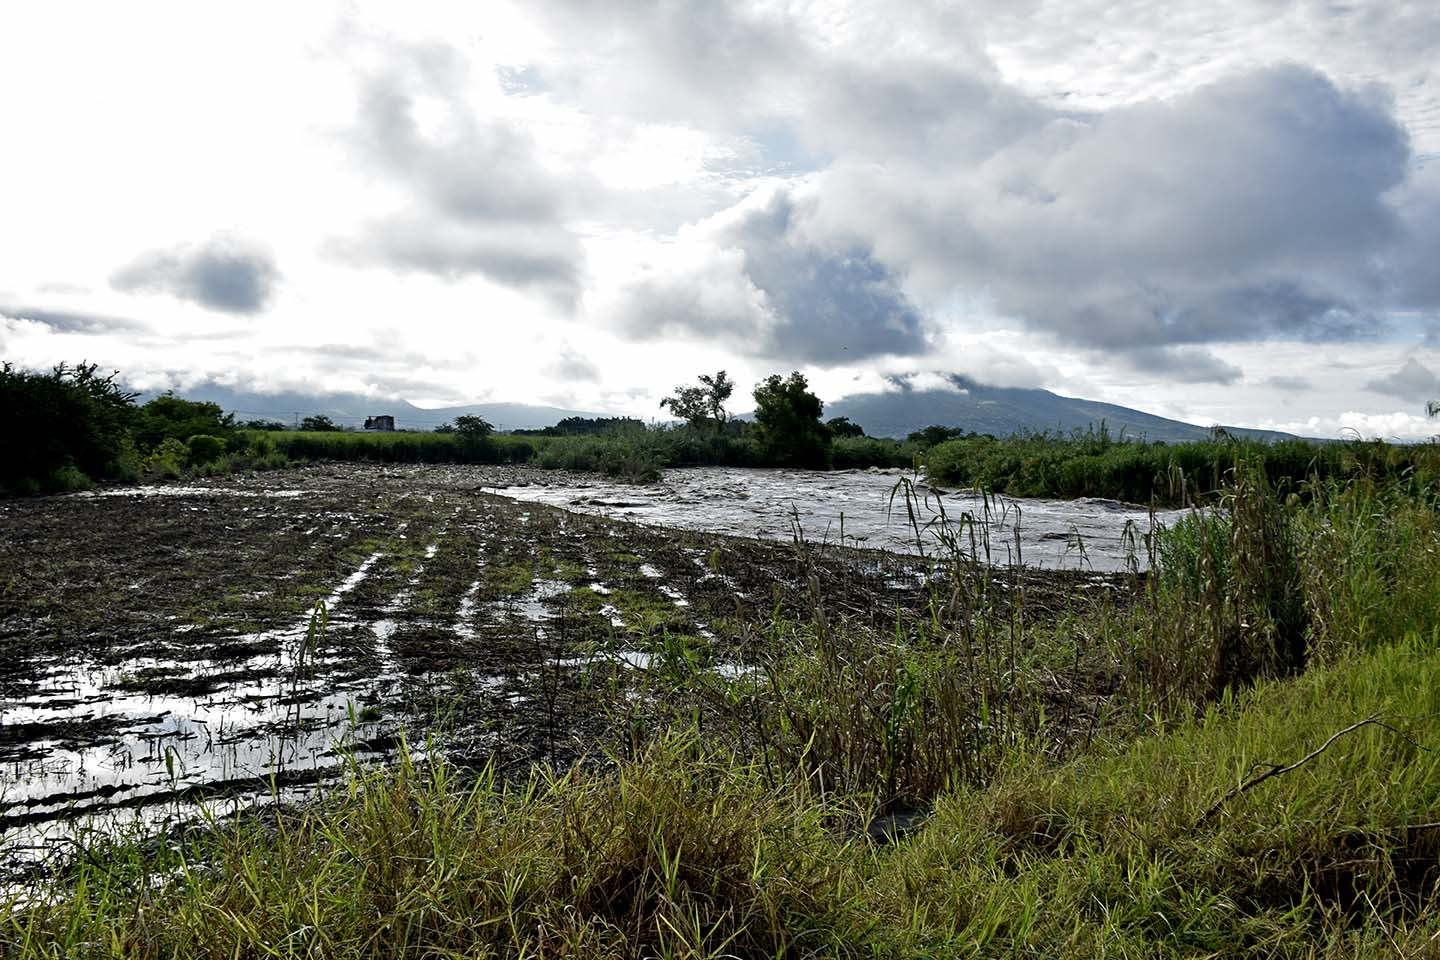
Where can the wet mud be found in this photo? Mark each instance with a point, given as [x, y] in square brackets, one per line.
[239, 640]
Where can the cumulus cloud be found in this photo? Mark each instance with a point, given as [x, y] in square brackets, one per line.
[1398, 425]
[1251, 207]
[1413, 381]
[479, 199]
[759, 282]
[1273, 202]
[224, 273]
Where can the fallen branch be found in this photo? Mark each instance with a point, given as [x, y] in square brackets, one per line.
[1278, 769]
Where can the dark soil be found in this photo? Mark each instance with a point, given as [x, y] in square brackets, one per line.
[496, 622]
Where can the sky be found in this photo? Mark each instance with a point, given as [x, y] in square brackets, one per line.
[1221, 211]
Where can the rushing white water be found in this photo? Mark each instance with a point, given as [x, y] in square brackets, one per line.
[868, 508]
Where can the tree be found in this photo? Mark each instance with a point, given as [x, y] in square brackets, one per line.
[788, 417]
[168, 416]
[717, 391]
[704, 404]
[844, 427]
[72, 419]
[935, 434]
[472, 428]
[319, 423]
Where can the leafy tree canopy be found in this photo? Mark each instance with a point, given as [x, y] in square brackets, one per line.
[472, 427]
[844, 427]
[170, 416]
[788, 418]
[702, 405]
[935, 434]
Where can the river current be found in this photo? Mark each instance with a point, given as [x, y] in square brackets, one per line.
[885, 509]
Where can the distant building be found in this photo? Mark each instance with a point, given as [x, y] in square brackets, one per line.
[380, 423]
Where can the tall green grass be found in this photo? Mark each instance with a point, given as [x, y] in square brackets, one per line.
[1096, 464]
[401, 447]
[1258, 585]
[636, 454]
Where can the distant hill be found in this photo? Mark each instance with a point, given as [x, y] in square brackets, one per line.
[1006, 410]
[351, 409]
[971, 406]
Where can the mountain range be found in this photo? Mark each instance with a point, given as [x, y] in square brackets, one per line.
[966, 404]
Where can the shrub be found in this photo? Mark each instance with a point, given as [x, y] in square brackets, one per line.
[169, 416]
[70, 417]
[205, 448]
[168, 460]
[67, 479]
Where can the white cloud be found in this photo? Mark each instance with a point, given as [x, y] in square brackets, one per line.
[1397, 425]
[1110, 201]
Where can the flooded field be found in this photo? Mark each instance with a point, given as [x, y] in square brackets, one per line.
[866, 508]
[242, 639]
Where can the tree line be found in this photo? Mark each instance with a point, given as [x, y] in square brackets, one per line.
[72, 426]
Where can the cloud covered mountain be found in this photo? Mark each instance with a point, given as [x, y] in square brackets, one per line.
[1006, 410]
[351, 409]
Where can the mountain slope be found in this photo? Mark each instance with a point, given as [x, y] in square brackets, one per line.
[351, 409]
[1007, 410]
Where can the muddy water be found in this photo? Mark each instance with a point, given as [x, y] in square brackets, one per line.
[94, 745]
[864, 508]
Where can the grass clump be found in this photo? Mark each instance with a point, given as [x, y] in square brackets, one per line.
[675, 854]
[1115, 854]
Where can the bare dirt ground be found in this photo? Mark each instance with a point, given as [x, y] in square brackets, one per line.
[162, 643]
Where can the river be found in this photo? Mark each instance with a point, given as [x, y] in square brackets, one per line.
[866, 508]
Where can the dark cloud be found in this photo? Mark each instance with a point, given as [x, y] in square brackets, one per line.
[482, 203]
[224, 273]
[1184, 364]
[69, 321]
[766, 288]
[1289, 384]
[1413, 382]
[1255, 206]
[571, 367]
[1412, 264]
[1272, 203]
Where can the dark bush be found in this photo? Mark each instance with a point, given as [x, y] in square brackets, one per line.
[63, 428]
